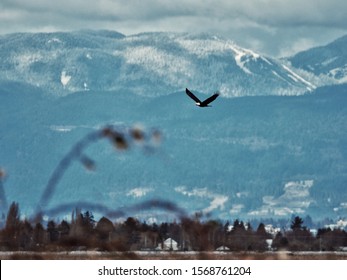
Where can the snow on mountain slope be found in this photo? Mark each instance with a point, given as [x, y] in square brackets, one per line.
[328, 62]
[150, 64]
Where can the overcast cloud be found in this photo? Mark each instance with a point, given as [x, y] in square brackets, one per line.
[275, 27]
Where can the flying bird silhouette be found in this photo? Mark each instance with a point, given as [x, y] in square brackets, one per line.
[200, 103]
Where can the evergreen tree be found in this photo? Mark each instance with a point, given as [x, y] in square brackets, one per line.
[261, 230]
[12, 227]
[12, 220]
[280, 241]
[25, 236]
[260, 237]
[132, 229]
[52, 231]
[88, 221]
[39, 235]
[300, 239]
[104, 228]
[63, 228]
[296, 223]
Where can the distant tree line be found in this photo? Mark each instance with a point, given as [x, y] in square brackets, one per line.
[84, 233]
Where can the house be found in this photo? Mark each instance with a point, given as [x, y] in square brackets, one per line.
[223, 248]
[168, 245]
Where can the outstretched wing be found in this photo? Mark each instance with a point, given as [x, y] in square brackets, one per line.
[209, 100]
[192, 96]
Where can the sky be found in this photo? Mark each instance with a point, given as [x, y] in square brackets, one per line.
[273, 27]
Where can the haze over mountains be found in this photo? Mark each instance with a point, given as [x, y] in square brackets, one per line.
[278, 149]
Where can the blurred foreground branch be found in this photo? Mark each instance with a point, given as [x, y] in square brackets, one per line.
[121, 138]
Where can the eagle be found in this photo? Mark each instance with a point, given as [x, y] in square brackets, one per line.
[200, 103]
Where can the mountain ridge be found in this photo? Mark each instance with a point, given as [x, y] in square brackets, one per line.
[149, 63]
[328, 62]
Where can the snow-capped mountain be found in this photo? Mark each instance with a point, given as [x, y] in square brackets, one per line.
[261, 155]
[150, 64]
[328, 63]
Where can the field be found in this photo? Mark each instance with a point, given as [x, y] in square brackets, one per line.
[153, 255]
